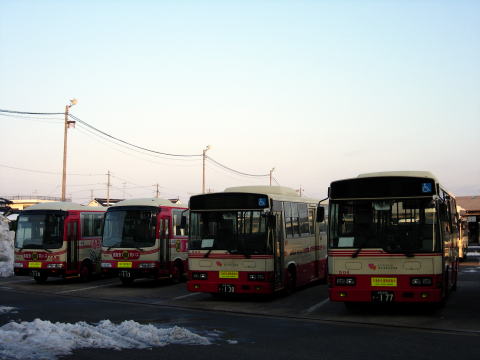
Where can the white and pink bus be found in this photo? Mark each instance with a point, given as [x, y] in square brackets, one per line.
[255, 240]
[145, 238]
[393, 237]
[58, 239]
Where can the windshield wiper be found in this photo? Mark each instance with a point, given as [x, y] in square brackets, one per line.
[44, 248]
[208, 253]
[357, 252]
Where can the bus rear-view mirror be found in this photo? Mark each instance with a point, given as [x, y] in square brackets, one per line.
[320, 214]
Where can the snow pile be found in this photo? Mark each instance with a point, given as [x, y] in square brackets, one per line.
[6, 249]
[45, 340]
[6, 309]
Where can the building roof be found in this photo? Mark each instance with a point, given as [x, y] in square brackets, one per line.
[469, 203]
[103, 201]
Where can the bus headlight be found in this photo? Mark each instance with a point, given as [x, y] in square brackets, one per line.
[18, 265]
[54, 266]
[345, 281]
[425, 281]
[146, 265]
[106, 265]
[256, 277]
[199, 276]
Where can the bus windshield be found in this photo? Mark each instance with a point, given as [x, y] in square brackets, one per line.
[238, 232]
[396, 226]
[39, 231]
[129, 228]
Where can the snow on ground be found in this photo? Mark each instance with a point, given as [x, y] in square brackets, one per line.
[44, 340]
[6, 249]
[6, 309]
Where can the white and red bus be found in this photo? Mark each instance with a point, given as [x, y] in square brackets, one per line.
[58, 239]
[393, 237]
[144, 238]
[256, 240]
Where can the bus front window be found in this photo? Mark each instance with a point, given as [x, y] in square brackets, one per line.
[129, 228]
[243, 232]
[393, 225]
[39, 231]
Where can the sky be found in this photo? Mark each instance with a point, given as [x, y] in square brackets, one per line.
[318, 90]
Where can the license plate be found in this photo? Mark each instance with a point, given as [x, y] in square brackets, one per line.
[228, 274]
[124, 264]
[124, 274]
[35, 273]
[383, 296]
[36, 265]
[226, 288]
[384, 281]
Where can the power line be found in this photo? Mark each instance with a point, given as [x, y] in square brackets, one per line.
[233, 170]
[130, 144]
[85, 130]
[28, 113]
[45, 172]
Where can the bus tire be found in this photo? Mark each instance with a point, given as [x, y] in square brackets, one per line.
[41, 279]
[177, 272]
[85, 272]
[290, 280]
[126, 281]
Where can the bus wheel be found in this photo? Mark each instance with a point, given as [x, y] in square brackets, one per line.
[177, 273]
[290, 281]
[41, 279]
[85, 272]
[126, 281]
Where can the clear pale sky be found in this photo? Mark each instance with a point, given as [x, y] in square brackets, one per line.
[320, 90]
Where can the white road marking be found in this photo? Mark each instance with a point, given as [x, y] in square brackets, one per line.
[185, 296]
[317, 306]
[87, 288]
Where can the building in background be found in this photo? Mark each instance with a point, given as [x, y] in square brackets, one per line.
[103, 202]
[21, 202]
[470, 216]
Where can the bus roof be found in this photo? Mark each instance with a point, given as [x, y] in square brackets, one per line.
[148, 202]
[64, 206]
[417, 174]
[274, 192]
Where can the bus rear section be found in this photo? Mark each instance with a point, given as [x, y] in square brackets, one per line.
[393, 237]
[58, 239]
[145, 238]
[254, 240]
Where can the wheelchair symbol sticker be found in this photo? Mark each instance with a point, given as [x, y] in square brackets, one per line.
[262, 202]
[426, 187]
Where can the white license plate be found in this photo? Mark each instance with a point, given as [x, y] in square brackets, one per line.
[226, 288]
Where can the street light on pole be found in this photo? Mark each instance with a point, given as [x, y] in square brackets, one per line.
[203, 172]
[271, 172]
[67, 125]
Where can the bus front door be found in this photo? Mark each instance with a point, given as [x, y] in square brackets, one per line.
[72, 246]
[278, 251]
[164, 243]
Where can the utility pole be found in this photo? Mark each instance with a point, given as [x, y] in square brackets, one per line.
[203, 172]
[271, 172]
[66, 126]
[300, 191]
[91, 195]
[108, 188]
